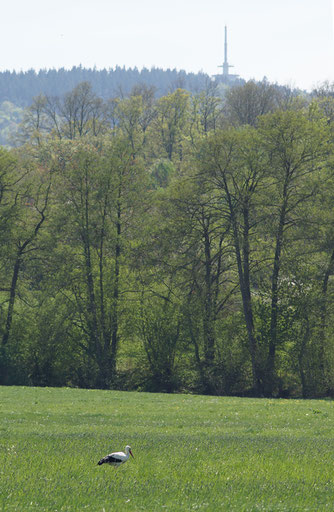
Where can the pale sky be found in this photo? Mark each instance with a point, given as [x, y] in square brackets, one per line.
[288, 41]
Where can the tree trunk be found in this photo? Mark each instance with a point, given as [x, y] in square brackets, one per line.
[208, 321]
[270, 365]
[12, 295]
[16, 270]
[323, 318]
[92, 321]
[115, 334]
[244, 281]
[304, 341]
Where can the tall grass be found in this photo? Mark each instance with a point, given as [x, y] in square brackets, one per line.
[191, 452]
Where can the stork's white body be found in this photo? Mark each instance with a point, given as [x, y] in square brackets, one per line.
[116, 458]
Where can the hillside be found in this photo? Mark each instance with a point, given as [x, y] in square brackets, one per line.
[20, 88]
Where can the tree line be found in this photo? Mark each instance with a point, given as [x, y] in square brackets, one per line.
[180, 243]
[21, 87]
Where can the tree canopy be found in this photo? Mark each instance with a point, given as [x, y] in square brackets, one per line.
[180, 242]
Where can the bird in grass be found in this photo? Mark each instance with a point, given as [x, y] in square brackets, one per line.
[116, 458]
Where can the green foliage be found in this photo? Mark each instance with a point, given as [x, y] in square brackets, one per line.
[168, 244]
[159, 328]
[162, 171]
[10, 117]
[168, 126]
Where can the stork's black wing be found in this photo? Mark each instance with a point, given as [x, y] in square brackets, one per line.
[109, 459]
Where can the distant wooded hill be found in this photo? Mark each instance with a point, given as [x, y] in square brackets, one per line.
[20, 88]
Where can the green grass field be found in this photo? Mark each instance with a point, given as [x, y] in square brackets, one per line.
[191, 452]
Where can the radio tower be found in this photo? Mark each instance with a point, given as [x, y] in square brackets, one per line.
[226, 77]
[226, 66]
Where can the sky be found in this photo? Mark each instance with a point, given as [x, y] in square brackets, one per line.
[290, 42]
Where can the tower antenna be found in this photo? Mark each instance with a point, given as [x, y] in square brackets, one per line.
[226, 77]
[226, 66]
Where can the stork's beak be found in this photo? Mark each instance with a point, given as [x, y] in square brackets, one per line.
[131, 453]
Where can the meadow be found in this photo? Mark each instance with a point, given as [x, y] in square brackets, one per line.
[191, 452]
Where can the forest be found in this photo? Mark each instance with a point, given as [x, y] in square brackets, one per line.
[18, 89]
[22, 87]
[175, 243]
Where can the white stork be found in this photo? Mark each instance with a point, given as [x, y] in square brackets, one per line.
[116, 458]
